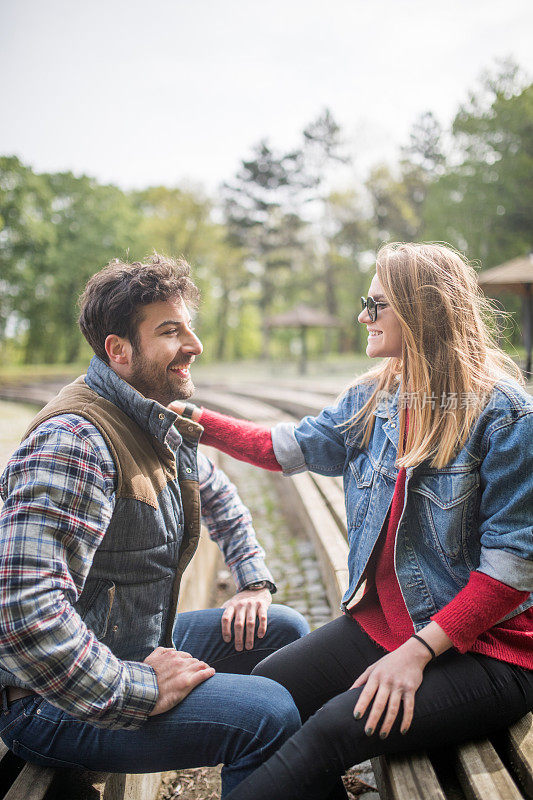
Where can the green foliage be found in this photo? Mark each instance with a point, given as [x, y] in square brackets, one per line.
[483, 203]
[277, 236]
[57, 230]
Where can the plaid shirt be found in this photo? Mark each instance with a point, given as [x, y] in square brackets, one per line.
[59, 490]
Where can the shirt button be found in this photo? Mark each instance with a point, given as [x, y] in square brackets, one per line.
[190, 428]
[38, 711]
[115, 628]
[161, 416]
[188, 470]
[393, 424]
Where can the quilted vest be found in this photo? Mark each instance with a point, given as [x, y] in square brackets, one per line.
[131, 592]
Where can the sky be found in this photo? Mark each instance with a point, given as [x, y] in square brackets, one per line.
[177, 92]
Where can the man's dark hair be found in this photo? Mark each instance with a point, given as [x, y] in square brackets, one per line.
[113, 299]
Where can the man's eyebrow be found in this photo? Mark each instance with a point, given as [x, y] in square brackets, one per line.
[177, 322]
[378, 296]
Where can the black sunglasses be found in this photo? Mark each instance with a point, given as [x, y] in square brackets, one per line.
[371, 306]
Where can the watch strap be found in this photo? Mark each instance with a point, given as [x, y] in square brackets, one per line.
[257, 585]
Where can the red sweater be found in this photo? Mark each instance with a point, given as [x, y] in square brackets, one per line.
[468, 620]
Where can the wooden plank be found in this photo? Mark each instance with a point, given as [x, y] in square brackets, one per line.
[139, 787]
[482, 774]
[333, 495]
[237, 406]
[518, 745]
[295, 402]
[330, 546]
[31, 784]
[407, 777]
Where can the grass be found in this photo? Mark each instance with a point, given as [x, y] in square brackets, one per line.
[341, 368]
[203, 371]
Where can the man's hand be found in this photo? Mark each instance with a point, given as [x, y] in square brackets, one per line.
[389, 682]
[244, 608]
[177, 674]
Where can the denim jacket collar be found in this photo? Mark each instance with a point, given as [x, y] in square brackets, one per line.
[387, 408]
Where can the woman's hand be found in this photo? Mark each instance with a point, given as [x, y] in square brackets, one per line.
[178, 407]
[390, 681]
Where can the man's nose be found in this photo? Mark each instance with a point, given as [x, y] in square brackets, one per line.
[363, 317]
[193, 344]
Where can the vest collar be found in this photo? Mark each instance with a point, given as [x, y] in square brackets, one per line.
[150, 415]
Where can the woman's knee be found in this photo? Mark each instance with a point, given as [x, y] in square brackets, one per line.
[337, 732]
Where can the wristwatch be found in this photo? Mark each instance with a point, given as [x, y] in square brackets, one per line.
[257, 585]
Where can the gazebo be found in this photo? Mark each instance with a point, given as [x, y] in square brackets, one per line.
[514, 276]
[303, 317]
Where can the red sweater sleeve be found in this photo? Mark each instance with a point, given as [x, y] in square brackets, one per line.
[239, 438]
[476, 608]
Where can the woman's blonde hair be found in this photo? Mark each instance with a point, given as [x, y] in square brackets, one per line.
[450, 360]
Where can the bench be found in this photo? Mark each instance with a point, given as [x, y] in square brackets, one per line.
[497, 769]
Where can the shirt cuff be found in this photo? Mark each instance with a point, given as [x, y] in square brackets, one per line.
[140, 696]
[507, 568]
[288, 452]
[250, 571]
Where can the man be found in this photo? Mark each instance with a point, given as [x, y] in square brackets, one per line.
[101, 517]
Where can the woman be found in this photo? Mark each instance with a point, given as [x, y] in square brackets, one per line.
[434, 445]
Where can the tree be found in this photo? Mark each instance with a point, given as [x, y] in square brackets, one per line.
[323, 152]
[483, 202]
[57, 230]
[260, 211]
[395, 215]
[180, 223]
[26, 231]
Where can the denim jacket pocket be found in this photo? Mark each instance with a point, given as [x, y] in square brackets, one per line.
[95, 604]
[446, 503]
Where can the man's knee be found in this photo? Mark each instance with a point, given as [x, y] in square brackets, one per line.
[266, 722]
[280, 713]
[286, 624]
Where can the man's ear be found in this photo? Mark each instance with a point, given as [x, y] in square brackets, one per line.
[118, 350]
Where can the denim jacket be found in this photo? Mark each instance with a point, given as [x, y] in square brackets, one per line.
[473, 514]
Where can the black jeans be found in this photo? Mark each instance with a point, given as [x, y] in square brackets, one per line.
[460, 698]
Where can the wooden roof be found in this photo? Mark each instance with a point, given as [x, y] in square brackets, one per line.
[512, 276]
[303, 317]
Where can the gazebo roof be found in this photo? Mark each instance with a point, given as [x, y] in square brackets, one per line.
[512, 276]
[303, 317]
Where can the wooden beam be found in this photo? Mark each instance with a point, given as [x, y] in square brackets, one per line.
[482, 774]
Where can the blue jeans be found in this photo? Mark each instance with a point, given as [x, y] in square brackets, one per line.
[232, 718]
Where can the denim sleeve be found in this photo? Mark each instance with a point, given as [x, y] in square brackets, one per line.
[229, 523]
[58, 490]
[315, 443]
[506, 508]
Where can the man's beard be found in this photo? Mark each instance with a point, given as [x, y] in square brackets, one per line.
[157, 383]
